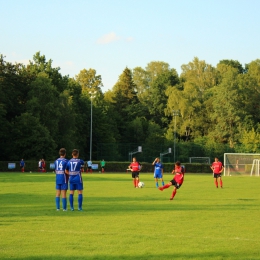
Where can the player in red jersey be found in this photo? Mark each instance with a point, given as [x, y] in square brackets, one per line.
[135, 169]
[177, 180]
[217, 169]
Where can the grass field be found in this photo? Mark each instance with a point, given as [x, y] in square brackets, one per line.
[120, 222]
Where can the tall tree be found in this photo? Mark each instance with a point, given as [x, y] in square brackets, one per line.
[197, 77]
[89, 81]
[124, 100]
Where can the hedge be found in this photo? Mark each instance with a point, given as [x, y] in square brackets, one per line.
[32, 166]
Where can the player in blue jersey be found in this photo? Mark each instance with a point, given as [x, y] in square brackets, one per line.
[22, 165]
[61, 179]
[158, 172]
[75, 178]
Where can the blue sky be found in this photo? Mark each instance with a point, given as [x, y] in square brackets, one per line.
[108, 35]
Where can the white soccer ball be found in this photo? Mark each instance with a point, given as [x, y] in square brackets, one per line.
[140, 184]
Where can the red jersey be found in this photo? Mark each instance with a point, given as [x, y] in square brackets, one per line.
[135, 166]
[179, 174]
[217, 167]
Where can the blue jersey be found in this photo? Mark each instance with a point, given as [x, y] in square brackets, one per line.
[158, 169]
[22, 163]
[60, 166]
[89, 164]
[74, 168]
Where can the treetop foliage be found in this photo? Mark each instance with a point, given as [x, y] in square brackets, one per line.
[41, 110]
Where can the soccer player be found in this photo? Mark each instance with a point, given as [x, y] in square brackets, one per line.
[103, 164]
[43, 165]
[40, 165]
[75, 179]
[177, 181]
[22, 165]
[158, 172]
[61, 180]
[89, 167]
[217, 169]
[135, 169]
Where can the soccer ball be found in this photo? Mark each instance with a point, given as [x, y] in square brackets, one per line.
[140, 184]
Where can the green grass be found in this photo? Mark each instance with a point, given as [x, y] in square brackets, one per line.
[120, 222]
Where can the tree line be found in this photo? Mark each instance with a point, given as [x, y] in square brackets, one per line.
[204, 111]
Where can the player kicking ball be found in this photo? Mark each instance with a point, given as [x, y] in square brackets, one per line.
[177, 180]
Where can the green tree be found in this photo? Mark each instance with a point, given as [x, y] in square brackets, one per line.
[43, 103]
[30, 139]
[89, 81]
[124, 101]
[197, 77]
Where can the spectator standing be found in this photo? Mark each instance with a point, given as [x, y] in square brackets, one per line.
[89, 166]
[103, 164]
[22, 165]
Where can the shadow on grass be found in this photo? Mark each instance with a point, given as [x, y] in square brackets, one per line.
[35, 205]
[198, 256]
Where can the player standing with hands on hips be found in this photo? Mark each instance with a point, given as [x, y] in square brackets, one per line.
[158, 172]
[177, 180]
[75, 178]
[217, 169]
[135, 169]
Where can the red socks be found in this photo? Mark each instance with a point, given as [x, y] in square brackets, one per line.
[166, 186]
[173, 193]
[221, 183]
[216, 183]
[136, 181]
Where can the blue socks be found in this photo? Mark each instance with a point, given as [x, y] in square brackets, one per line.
[71, 201]
[64, 203]
[57, 199]
[80, 199]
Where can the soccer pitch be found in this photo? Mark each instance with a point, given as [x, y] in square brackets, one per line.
[121, 222]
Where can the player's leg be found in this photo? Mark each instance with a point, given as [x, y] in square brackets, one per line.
[64, 197]
[71, 198]
[166, 186]
[173, 193]
[57, 198]
[221, 182]
[137, 179]
[216, 182]
[80, 197]
[162, 181]
[156, 182]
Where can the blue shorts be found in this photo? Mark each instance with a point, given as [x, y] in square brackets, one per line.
[76, 186]
[158, 175]
[63, 186]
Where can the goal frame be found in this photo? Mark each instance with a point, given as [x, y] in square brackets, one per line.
[246, 167]
[203, 158]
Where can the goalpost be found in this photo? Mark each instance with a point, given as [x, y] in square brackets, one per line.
[199, 160]
[241, 164]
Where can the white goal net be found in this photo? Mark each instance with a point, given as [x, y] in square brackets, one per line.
[199, 160]
[241, 164]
